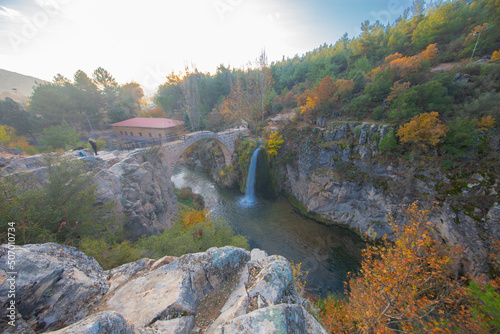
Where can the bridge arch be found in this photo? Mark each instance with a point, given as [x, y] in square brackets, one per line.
[226, 141]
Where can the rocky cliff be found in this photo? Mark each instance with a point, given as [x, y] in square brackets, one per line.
[335, 173]
[223, 290]
[135, 180]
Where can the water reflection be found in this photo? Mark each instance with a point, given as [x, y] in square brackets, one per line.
[328, 253]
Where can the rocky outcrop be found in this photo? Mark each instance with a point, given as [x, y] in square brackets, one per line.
[54, 286]
[223, 290]
[335, 174]
[136, 181]
[138, 184]
[333, 177]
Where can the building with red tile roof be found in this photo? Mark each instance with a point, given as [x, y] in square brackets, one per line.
[141, 128]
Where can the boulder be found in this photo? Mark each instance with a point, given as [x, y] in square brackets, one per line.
[283, 318]
[274, 282]
[182, 325]
[175, 289]
[55, 286]
[107, 322]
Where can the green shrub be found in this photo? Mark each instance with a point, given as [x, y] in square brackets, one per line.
[378, 113]
[179, 240]
[61, 208]
[63, 137]
[460, 138]
[388, 143]
[487, 308]
[359, 106]
[448, 164]
[110, 255]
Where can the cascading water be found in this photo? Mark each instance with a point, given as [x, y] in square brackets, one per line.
[249, 199]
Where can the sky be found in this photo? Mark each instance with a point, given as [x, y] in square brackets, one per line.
[145, 40]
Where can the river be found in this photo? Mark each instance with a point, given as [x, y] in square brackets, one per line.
[275, 226]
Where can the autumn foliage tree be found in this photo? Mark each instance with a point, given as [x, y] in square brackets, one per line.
[274, 143]
[324, 95]
[402, 66]
[407, 286]
[423, 131]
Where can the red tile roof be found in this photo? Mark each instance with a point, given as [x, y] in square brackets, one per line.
[157, 123]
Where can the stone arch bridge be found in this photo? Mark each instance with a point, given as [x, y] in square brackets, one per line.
[226, 141]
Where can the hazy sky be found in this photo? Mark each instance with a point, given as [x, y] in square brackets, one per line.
[147, 39]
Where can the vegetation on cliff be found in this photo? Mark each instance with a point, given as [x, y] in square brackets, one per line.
[414, 285]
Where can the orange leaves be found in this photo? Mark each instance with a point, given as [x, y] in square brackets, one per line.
[406, 286]
[324, 95]
[485, 123]
[423, 130]
[404, 66]
[476, 30]
[194, 217]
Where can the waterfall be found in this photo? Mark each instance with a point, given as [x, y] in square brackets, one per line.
[249, 198]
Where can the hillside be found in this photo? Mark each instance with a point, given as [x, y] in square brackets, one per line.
[22, 83]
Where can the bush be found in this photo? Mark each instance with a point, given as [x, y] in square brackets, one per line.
[110, 255]
[407, 286]
[359, 106]
[63, 137]
[188, 199]
[460, 138]
[61, 208]
[378, 113]
[388, 143]
[179, 239]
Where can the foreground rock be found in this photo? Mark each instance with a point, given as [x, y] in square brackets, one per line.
[223, 290]
[55, 285]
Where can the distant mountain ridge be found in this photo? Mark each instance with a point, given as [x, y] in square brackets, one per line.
[17, 86]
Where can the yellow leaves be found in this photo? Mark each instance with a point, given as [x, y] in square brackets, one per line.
[423, 130]
[9, 138]
[485, 123]
[5, 134]
[274, 143]
[403, 286]
[194, 217]
[495, 57]
[311, 103]
[299, 277]
[222, 174]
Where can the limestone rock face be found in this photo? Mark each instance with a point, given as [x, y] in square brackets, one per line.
[137, 182]
[55, 286]
[315, 178]
[222, 290]
[337, 176]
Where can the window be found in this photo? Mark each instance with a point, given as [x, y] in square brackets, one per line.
[126, 134]
[131, 133]
[159, 135]
[150, 134]
[140, 134]
[121, 133]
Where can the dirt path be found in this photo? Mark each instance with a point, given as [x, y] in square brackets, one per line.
[444, 66]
